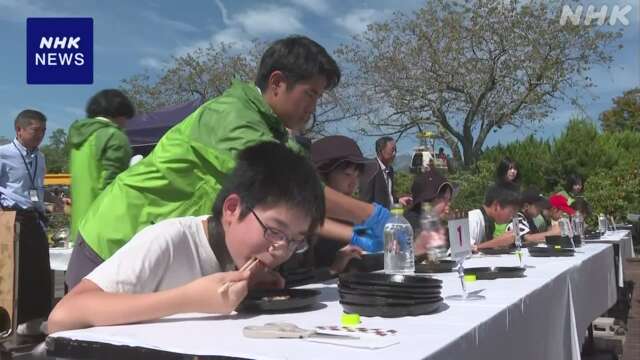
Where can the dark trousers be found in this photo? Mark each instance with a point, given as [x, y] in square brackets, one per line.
[83, 260]
[34, 272]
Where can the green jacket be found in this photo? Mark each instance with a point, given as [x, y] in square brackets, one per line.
[99, 152]
[184, 172]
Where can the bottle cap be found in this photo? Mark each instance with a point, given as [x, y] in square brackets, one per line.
[350, 319]
[470, 278]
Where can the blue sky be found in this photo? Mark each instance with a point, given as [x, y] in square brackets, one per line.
[130, 36]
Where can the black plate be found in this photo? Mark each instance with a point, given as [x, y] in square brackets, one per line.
[298, 298]
[391, 280]
[550, 252]
[436, 267]
[391, 311]
[564, 242]
[367, 263]
[498, 272]
[359, 299]
[394, 293]
[497, 251]
[391, 291]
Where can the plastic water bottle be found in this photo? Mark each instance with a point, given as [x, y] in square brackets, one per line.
[430, 223]
[578, 226]
[602, 224]
[398, 244]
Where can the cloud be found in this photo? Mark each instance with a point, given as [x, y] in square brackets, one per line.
[19, 10]
[317, 6]
[269, 19]
[223, 11]
[356, 21]
[170, 23]
[151, 63]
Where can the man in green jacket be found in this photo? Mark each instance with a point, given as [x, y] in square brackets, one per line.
[99, 150]
[184, 172]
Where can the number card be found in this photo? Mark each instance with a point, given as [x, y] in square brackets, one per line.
[459, 238]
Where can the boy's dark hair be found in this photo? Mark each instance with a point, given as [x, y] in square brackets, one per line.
[503, 167]
[26, 116]
[270, 174]
[110, 103]
[298, 58]
[503, 195]
[338, 164]
[382, 142]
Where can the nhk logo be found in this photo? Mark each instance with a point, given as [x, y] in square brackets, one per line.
[59, 51]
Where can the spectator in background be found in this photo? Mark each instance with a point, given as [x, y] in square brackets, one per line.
[574, 193]
[507, 175]
[22, 171]
[376, 183]
[99, 150]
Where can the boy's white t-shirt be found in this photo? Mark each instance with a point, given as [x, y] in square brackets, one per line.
[476, 227]
[162, 256]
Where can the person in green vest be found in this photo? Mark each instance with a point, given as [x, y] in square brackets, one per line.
[99, 150]
[189, 164]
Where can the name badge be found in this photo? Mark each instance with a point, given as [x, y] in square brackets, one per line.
[33, 195]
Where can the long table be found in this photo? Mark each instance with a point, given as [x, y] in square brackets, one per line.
[541, 316]
[623, 248]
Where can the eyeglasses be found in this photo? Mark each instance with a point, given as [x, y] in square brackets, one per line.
[274, 235]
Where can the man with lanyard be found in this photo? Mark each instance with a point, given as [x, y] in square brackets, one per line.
[22, 171]
[377, 181]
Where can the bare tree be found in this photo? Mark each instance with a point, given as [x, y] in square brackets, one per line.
[467, 68]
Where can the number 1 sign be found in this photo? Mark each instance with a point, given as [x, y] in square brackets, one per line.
[459, 238]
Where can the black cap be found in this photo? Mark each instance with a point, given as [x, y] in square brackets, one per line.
[533, 196]
[330, 151]
[426, 186]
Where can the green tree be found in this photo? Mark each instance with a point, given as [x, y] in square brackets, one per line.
[625, 113]
[206, 72]
[470, 68]
[56, 152]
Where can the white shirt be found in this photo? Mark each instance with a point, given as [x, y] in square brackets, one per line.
[388, 180]
[476, 227]
[162, 256]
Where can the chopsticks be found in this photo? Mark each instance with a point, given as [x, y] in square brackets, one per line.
[246, 267]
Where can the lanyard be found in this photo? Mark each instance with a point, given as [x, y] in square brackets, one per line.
[26, 166]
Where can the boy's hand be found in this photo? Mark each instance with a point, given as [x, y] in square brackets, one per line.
[203, 295]
[365, 239]
[343, 257]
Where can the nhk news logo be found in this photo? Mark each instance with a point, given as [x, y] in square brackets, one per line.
[59, 51]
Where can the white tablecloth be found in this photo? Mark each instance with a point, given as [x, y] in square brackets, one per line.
[542, 316]
[59, 258]
[623, 239]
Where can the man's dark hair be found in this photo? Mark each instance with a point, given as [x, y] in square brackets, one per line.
[270, 174]
[298, 58]
[26, 116]
[382, 142]
[504, 195]
[110, 103]
[503, 167]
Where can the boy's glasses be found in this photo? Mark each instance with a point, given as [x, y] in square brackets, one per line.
[274, 235]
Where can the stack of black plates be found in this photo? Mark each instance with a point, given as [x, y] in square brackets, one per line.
[550, 251]
[388, 295]
[296, 277]
[497, 251]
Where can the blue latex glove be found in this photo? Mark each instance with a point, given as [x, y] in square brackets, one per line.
[363, 238]
[377, 220]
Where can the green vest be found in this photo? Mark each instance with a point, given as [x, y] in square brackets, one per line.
[184, 172]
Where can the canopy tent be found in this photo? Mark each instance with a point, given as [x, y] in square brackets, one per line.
[145, 130]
